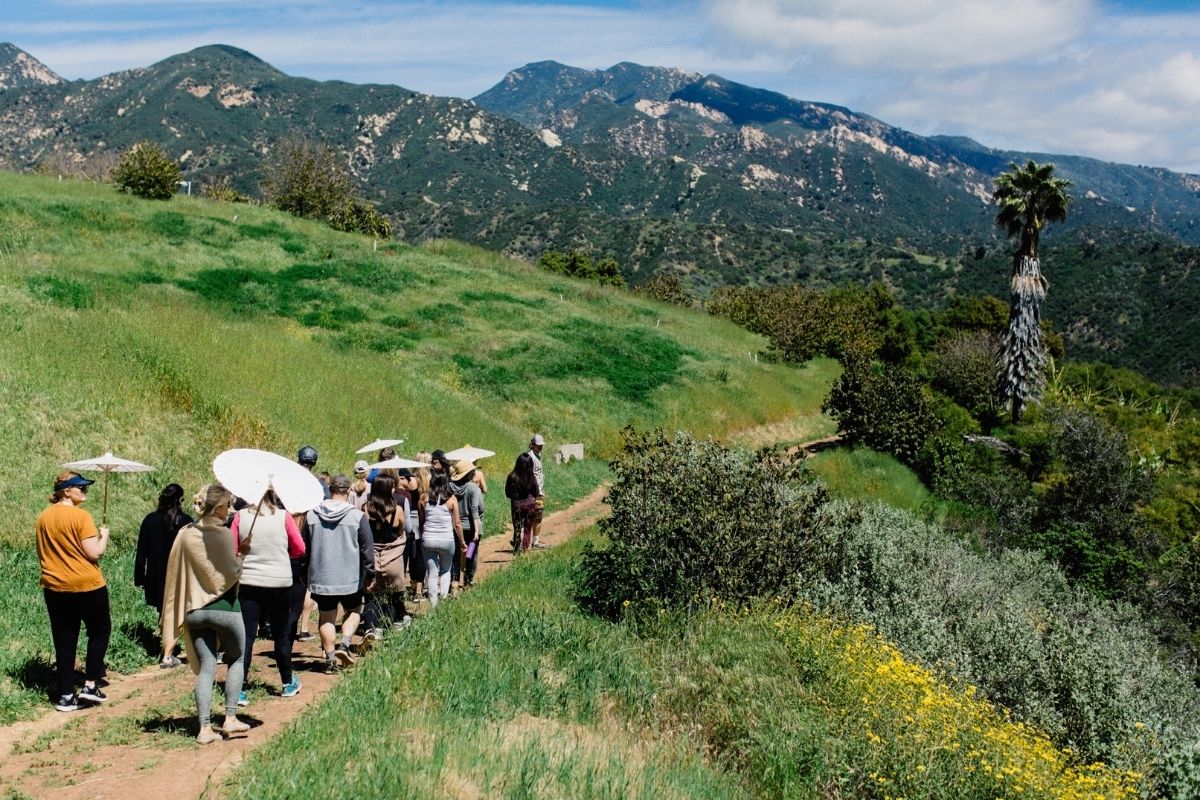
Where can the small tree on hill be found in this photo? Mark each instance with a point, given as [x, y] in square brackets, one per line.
[305, 178]
[147, 171]
[1029, 197]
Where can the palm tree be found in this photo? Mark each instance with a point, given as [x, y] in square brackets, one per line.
[1029, 197]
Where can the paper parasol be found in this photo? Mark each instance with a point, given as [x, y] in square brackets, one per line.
[249, 473]
[107, 463]
[468, 453]
[378, 445]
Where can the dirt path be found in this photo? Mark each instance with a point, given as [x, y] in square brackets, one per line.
[140, 745]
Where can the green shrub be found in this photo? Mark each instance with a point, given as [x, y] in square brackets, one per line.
[666, 289]
[579, 264]
[1086, 671]
[691, 521]
[147, 171]
[885, 408]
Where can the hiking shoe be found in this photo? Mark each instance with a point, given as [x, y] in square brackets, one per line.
[170, 663]
[343, 655]
[243, 699]
[540, 546]
[68, 702]
[304, 636]
[92, 694]
[331, 665]
[401, 624]
[291, 688]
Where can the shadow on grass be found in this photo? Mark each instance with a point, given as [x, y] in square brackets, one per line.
[144, 636]
[36, 674]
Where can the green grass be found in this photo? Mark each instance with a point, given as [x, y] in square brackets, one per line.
[868, 475]
[170, 332]
[511, 691]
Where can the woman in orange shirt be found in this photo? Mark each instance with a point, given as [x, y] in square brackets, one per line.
[69, 547]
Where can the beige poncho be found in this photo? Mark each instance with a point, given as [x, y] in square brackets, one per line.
[202, 567]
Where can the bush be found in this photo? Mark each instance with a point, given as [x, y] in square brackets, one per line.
[147, 171]
[305, 179]
[1084, 670]
[884, 408]
[222, 190]
[963, 365]
[691, 521]
[667, 289]
[579, 264]
[359, 216]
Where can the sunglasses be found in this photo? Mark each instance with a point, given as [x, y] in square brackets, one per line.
[83, 489]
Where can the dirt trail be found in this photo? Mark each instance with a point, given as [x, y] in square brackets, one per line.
[140, 745]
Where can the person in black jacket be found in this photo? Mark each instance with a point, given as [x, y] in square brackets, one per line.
[155, 538]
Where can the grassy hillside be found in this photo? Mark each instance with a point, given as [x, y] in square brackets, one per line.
[168, 332]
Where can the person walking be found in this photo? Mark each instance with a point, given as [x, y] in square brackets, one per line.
[267, 539]
[201, 602]
[341, 564]
[418, 487]
[155, 538]
[521, 489]
[302, 603]
[387, 511]
[470, 510]
[360, 487]
[441, 536]
[69, 548]
[535, 451]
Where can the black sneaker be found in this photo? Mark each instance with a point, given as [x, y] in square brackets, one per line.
[68, 702]
[304, 636]
[343, 654]
[92, 694]
[331, 665]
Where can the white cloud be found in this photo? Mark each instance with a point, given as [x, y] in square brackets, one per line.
[918, 34]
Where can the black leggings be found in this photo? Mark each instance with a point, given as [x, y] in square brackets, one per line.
[275, 605]
[67, 611]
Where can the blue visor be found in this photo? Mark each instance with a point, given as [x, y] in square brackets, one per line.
[74, 480]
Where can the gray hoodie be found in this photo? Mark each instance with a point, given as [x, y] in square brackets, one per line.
[470, 504]
[341, 549]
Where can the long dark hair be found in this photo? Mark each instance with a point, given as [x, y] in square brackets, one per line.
[170, 504]
[381, 506]
[524, 482]
[439, 489]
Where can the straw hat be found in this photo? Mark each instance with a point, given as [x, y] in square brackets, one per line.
[461, 469]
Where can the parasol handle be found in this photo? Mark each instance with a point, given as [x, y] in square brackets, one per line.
[250, 533]
[104, 511]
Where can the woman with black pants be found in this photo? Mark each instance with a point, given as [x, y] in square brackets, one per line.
[69, 547]
[267, 538]
[155, 537]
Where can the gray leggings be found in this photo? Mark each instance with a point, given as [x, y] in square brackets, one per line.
[207, 627]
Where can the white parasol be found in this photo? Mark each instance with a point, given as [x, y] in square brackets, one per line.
[378, 445]
[398, 463]
[107, 463]
[469, 453]
[250, 473]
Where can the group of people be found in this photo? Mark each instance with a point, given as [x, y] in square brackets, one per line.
[217, 580]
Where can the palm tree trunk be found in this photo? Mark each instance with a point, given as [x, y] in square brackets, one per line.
[1022, 354]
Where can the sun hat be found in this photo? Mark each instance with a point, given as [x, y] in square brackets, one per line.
[461, 469]
[74, 480]
[360, 467]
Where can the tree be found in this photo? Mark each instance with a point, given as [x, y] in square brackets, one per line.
[147, 171]
[1029, 197]
[305, 179]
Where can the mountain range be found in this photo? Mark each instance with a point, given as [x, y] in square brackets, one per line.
[663, 169]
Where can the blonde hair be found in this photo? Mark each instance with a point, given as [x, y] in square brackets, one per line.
[59, 494]
[210, 498]
[422, 473]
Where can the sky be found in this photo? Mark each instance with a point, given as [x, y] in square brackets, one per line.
[1113, 79]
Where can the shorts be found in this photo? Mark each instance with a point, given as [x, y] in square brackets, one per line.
[329, 602]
